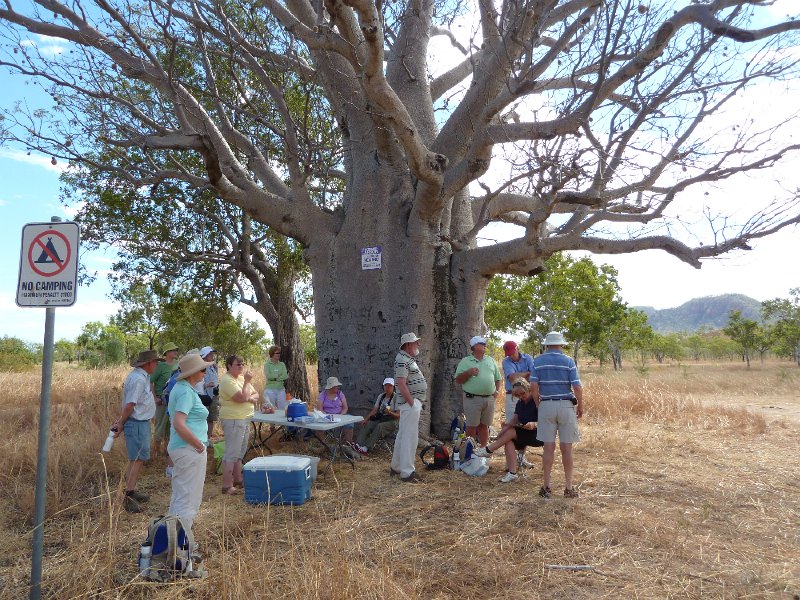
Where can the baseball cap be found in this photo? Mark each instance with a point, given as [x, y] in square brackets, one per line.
[477, 340]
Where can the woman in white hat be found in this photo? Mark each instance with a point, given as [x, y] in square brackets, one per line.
[187, 440]
[331, 401]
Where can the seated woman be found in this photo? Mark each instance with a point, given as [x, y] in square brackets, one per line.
[382, 420]
[519, 432]
[331, 401]
[237, 402]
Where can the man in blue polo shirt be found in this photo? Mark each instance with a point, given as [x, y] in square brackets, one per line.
[516, 365]
[557, 389]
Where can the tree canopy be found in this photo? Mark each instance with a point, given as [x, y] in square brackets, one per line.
[590, 125]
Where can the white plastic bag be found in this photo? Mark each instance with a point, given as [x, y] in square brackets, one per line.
[476, 466]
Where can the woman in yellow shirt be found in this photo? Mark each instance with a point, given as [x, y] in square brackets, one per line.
[237, 401]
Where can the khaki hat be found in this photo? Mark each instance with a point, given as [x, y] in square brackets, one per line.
[332, 383]
[191, 364]
[169, 348]
[554, 338]
[145, 357]
[407, 338]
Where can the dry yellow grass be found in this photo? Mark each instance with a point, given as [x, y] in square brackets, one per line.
[684, 494]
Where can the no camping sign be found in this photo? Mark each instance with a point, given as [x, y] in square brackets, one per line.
[48, 264]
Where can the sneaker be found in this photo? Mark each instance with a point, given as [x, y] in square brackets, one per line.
[570, 492]
[168, 472]
[392, 472]
[362, 449]
[545, 492]
[413, 478]
[481, 452]
[138, 496]
[509, 477]
[131, 505]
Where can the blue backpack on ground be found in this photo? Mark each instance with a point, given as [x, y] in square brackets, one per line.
[172, 546]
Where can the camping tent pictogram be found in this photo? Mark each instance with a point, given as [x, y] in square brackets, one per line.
[49, 254]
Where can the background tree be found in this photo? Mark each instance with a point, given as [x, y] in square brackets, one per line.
[588, 124]
[786, 315]
[574, 296]
[745, 332]
[17, 355]
[176, 238]
[101, 345]
[65, 351]
[631, 332]
[141, 312]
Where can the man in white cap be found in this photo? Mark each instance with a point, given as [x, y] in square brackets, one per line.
[138, 407]
[413, 389]
[558, 394]
[210, 395]
[479, 377]
[382, 420]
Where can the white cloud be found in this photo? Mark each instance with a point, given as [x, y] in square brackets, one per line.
[33, 159]
[28, 323]
[46, 45]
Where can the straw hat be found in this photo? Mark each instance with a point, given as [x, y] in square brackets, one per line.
[191, 364]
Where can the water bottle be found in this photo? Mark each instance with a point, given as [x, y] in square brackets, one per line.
[456, 433]
[109, 440]
[456, 460]
[145, 553]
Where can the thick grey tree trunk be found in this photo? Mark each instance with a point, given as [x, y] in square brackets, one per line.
[361, 314]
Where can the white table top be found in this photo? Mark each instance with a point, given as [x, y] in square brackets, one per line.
[279, 418]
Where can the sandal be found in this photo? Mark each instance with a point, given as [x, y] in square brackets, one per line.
[545, 492]
[231, 491]
[570, 492]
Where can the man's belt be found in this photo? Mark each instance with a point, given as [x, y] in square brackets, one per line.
[468, 395]
[557, 399]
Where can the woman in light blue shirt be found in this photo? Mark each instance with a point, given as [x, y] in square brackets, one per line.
[187, 440]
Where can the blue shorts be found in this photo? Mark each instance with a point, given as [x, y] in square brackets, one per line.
[137, 439]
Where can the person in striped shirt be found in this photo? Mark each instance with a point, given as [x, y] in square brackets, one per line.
[413, 389]
[557, 391]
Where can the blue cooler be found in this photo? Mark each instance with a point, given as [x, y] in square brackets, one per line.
[296, 409]
[277, 480]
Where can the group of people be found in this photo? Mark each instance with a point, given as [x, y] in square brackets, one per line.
[186, 397]
[544, 400]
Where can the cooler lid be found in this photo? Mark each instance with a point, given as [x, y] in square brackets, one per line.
[278, 463]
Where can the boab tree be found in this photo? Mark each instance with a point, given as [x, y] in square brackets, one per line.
[584, 122]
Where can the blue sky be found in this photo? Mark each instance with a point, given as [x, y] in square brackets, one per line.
[30, 193]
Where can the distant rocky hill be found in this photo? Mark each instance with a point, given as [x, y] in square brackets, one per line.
[709, 311]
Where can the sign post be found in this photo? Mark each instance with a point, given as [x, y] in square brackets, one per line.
[48, 276]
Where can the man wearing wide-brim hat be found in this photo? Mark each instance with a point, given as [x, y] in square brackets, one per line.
[558, 394]
[164, 369]
[138, 407]
[413, 389]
